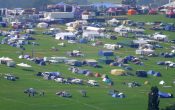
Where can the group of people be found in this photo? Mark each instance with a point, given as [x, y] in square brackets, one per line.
[41, 93]
[32, 92]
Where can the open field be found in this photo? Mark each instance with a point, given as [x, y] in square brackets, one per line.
[13, 98]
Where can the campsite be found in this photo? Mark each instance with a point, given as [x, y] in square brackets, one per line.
[88, 67]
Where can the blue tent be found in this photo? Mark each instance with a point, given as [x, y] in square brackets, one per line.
[3, 24]
[54, 74]
[108, 81]
[118, 95]
[42, 63]
[83, 41]
[26, 56]
[160, 63]
[105, 61]
[82, 71]
[151, 72]
[165, 95]
[77, 63]
[141, 73]
[105, 53]
[128, 68]
[169, 27]
[129, 58]
[158, 74]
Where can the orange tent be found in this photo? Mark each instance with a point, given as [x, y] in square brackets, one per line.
[97, 75]
[132, 12]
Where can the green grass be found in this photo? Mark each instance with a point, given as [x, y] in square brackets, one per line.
[13, 98]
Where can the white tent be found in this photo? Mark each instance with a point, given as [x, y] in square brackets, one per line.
[113, 21]
[122, 29]
[24, 65]
[140, 41]
[146, 46]
[90, 28]
[70, 29]
[64, 35]
[160, 37]
[112, 46]
[42, 25]
[11, 64]
[92, 34]
[5, 59]
[30, 31]
[162, 82]
[144, 51]
[56, 30]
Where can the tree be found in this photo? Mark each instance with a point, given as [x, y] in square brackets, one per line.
[41, 4]
[172, 107]
[129, 2]
[153, 99]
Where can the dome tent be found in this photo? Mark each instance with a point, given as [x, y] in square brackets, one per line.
[118, 72]
[42, 25]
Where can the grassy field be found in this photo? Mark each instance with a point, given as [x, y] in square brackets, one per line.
[13, 98]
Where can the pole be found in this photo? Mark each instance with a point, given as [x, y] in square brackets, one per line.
[32, 50]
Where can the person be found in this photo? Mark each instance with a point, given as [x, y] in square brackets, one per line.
[167, 67]
[42, 93]
[83, 93]
[29, 94]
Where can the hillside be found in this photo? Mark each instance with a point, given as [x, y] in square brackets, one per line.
[38, 3]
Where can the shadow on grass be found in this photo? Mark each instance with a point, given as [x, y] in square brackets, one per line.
[28, 70]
